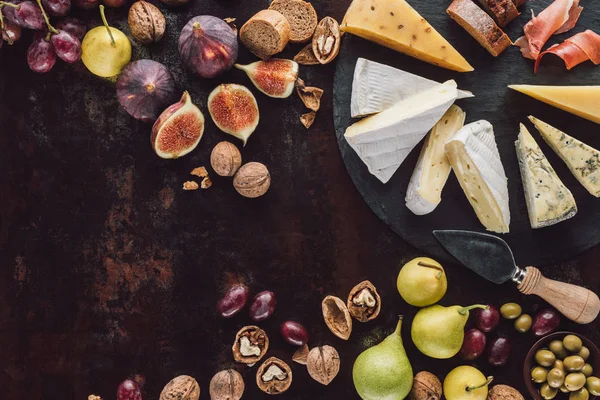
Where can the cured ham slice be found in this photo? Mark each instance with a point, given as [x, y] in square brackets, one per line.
[582, 47]
[558, 17]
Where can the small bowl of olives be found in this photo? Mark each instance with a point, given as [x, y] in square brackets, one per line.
[563, 365]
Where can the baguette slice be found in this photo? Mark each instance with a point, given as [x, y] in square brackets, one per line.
[266, 33]
[479, 25]
[302, 18]
[503, 11]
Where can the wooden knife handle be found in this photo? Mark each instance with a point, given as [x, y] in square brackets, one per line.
[574, 302]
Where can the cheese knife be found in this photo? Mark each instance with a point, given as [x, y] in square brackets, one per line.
[491, 257]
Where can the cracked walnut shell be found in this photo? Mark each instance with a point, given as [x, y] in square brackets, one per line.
[336, 316]
[364, 302]
[251, 345]
[252, 180]
[274, 376]
[225, 159]
[183, 387]
[326, 40]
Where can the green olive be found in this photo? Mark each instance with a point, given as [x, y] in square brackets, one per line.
[556, 346]
[572, 343]
[559, 364]
[511, 310]
[523, 323]
[593, 385]
[575, 381]
[581, 394]
[573, 363]
[547, 392]
[584, 353]
[555, 378]
[545, 358]
[564, 389]
[587, 370]
[539, 374]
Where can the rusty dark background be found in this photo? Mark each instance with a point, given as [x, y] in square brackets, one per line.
[111, 270]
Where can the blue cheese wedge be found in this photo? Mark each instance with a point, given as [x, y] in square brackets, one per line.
[384, 140]
[582, 160]
[424, 191]
[474, 157]
[377, 87]
[548, 199]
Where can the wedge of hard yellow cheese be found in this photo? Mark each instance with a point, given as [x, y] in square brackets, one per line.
[583, 101]
[395, 24]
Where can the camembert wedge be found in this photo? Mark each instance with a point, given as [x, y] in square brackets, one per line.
[424, 191]
[583, 101]
[548, 199]
[395, 24]
[376, 87]
[474, 157]
[582, 160]
[384, 140]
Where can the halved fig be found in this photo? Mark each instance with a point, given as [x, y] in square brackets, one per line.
[275, 77]
[234, 110]
[178, 130]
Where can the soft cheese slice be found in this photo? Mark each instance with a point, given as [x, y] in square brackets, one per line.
[376, 87]
[583, 101]
[582, 160]
[424, 191]
[548, 199]
[474, 157]
[384, 140]
[395, 24]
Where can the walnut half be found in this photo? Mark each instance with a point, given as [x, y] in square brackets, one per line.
[326, 40]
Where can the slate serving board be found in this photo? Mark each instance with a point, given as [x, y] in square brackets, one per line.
[505, 109]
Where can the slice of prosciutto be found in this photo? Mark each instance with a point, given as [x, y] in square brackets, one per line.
[559, 17]
[582, 47]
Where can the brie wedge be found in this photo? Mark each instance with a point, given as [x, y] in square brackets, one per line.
[384, 140]
[548, 199]
[582, 160]
[377, 87]
[424, 191]
[474, 157]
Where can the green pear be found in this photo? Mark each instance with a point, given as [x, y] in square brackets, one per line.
[438, 332]
[422, 282]
[384, 371]
[466, 383]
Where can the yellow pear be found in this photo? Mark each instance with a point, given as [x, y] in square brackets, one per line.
[466, 383]
[422, 282]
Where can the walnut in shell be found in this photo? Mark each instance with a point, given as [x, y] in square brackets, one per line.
[146, 22]
[504, 392]
[326, 40]
[183, 387]
[426, 386]
[225, 159]
[336, 316]
[364, 302]
[227, 385]
[323, 364]
[252, 180]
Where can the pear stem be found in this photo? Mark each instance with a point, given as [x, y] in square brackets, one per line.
[105, 22]
[486, 383]
[427, 265]
[399, 325]
[48, 24]
[465, 310]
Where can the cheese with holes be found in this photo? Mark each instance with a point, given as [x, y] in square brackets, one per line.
[395, 24]
[474, 157]
[384, 140]
[424, 191]
[583, 101]
[376, 87]
[582, 160]
[548, 199]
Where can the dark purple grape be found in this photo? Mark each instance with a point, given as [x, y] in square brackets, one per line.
[233, 301]
[473, 344]
[28, 15]
[129, 390]
[57, 8]
[114, 3]
[86, 4]
[12, 32]
[263, 306]
[486, 320]
[67, 47]
[294, 333]
[72, 25]
[546, 321]
[498, 350]
[41, 56]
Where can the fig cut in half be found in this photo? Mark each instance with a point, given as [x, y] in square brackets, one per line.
[178, 130]
[275, 77]
[234, 110]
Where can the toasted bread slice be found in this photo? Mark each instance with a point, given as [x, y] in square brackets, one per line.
[302, 18]
[266, 33]
[503, 11]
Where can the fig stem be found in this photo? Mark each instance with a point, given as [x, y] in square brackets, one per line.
[427, 265]
[486, 383]
[465, 310]
[48, 24]
[105, 22]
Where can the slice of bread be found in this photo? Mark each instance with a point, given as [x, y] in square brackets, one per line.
[479, 25]
[266, 33]
[301, 16]
[503, 11]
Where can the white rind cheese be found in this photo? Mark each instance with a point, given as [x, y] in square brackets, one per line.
[377, 87]
[384, 140]
[582, 160]
[474, 157]
[424, 191]
[548, 199]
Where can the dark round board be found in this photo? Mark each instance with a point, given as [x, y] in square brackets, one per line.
[505, 109]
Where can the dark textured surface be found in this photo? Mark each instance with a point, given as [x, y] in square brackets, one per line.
[505, 109]
[109, 269]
